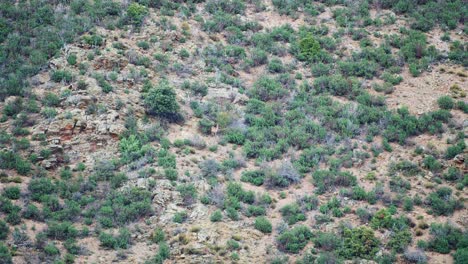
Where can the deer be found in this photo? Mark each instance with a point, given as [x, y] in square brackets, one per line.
[214, 130]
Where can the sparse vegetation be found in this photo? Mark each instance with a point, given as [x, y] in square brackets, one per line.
[188, 128]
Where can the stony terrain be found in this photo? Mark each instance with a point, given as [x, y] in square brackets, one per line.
[238, 131]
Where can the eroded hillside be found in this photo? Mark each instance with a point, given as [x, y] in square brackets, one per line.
[235, 131]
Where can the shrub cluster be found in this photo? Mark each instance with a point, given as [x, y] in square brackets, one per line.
[123, 207]
[324, 180]
[442, 202]
[121, 241]
[295, 239]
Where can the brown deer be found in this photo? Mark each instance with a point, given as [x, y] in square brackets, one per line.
[214, 130]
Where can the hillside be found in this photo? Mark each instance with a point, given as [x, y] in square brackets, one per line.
[233, 131]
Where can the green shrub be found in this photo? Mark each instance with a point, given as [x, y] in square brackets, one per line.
[103, 83]
[14, 107]
[445, 237]
[14, 218]
[442, 202]
[61, 231]
[386, 88]
[285, 175]
[161, 101]
[236, 191]
[210, 168]
[188, 193]
[255, 177]
[72, 247]
[158, 235]
[12, 160]
[399, 240]
[308, 202]
[232, 213]
[118, 180]
[255, 210]
[121, 241]
[164, 251]
[358, 193]
[66, 173]
[136, 13]
[216, 216]
[457, 53]
[359, 242]
[462, 106]
[199, 89]
[143, 44]
[104, 170]
[453, 174]
[309, 47]
[130, 148]
[326, 257]
[40, 188]
[405, 167]
[333, 206]
[71, 59]
[454, 150]
[334, 84]
[235, 136]
[291, 7]
[445, 102]
[163, 254]
[320, 69]
[166, 159]
[363, 215]
[227, 6]
[180, 217]
[259, 57]
[360, 68]
[5, 255]
[276, 66]
[381, 219]
[4, 230]
[267, 89]
[461, 256]
[399, 185]
[51, 99]
[235, 256]
[49, 112]
[432, 163]
[295, 239]
[327, 241]
[61, 76]
[408, 204]
[310, 157]
[12, 192]
[232, 244]
[263, 224]
[51, 250]
[170, 174]
[93, 40]
[124, 206]
[292, 213]
[326, 179]
[32, 212]
[393, 79]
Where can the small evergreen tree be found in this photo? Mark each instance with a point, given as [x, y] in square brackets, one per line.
[161, 101]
